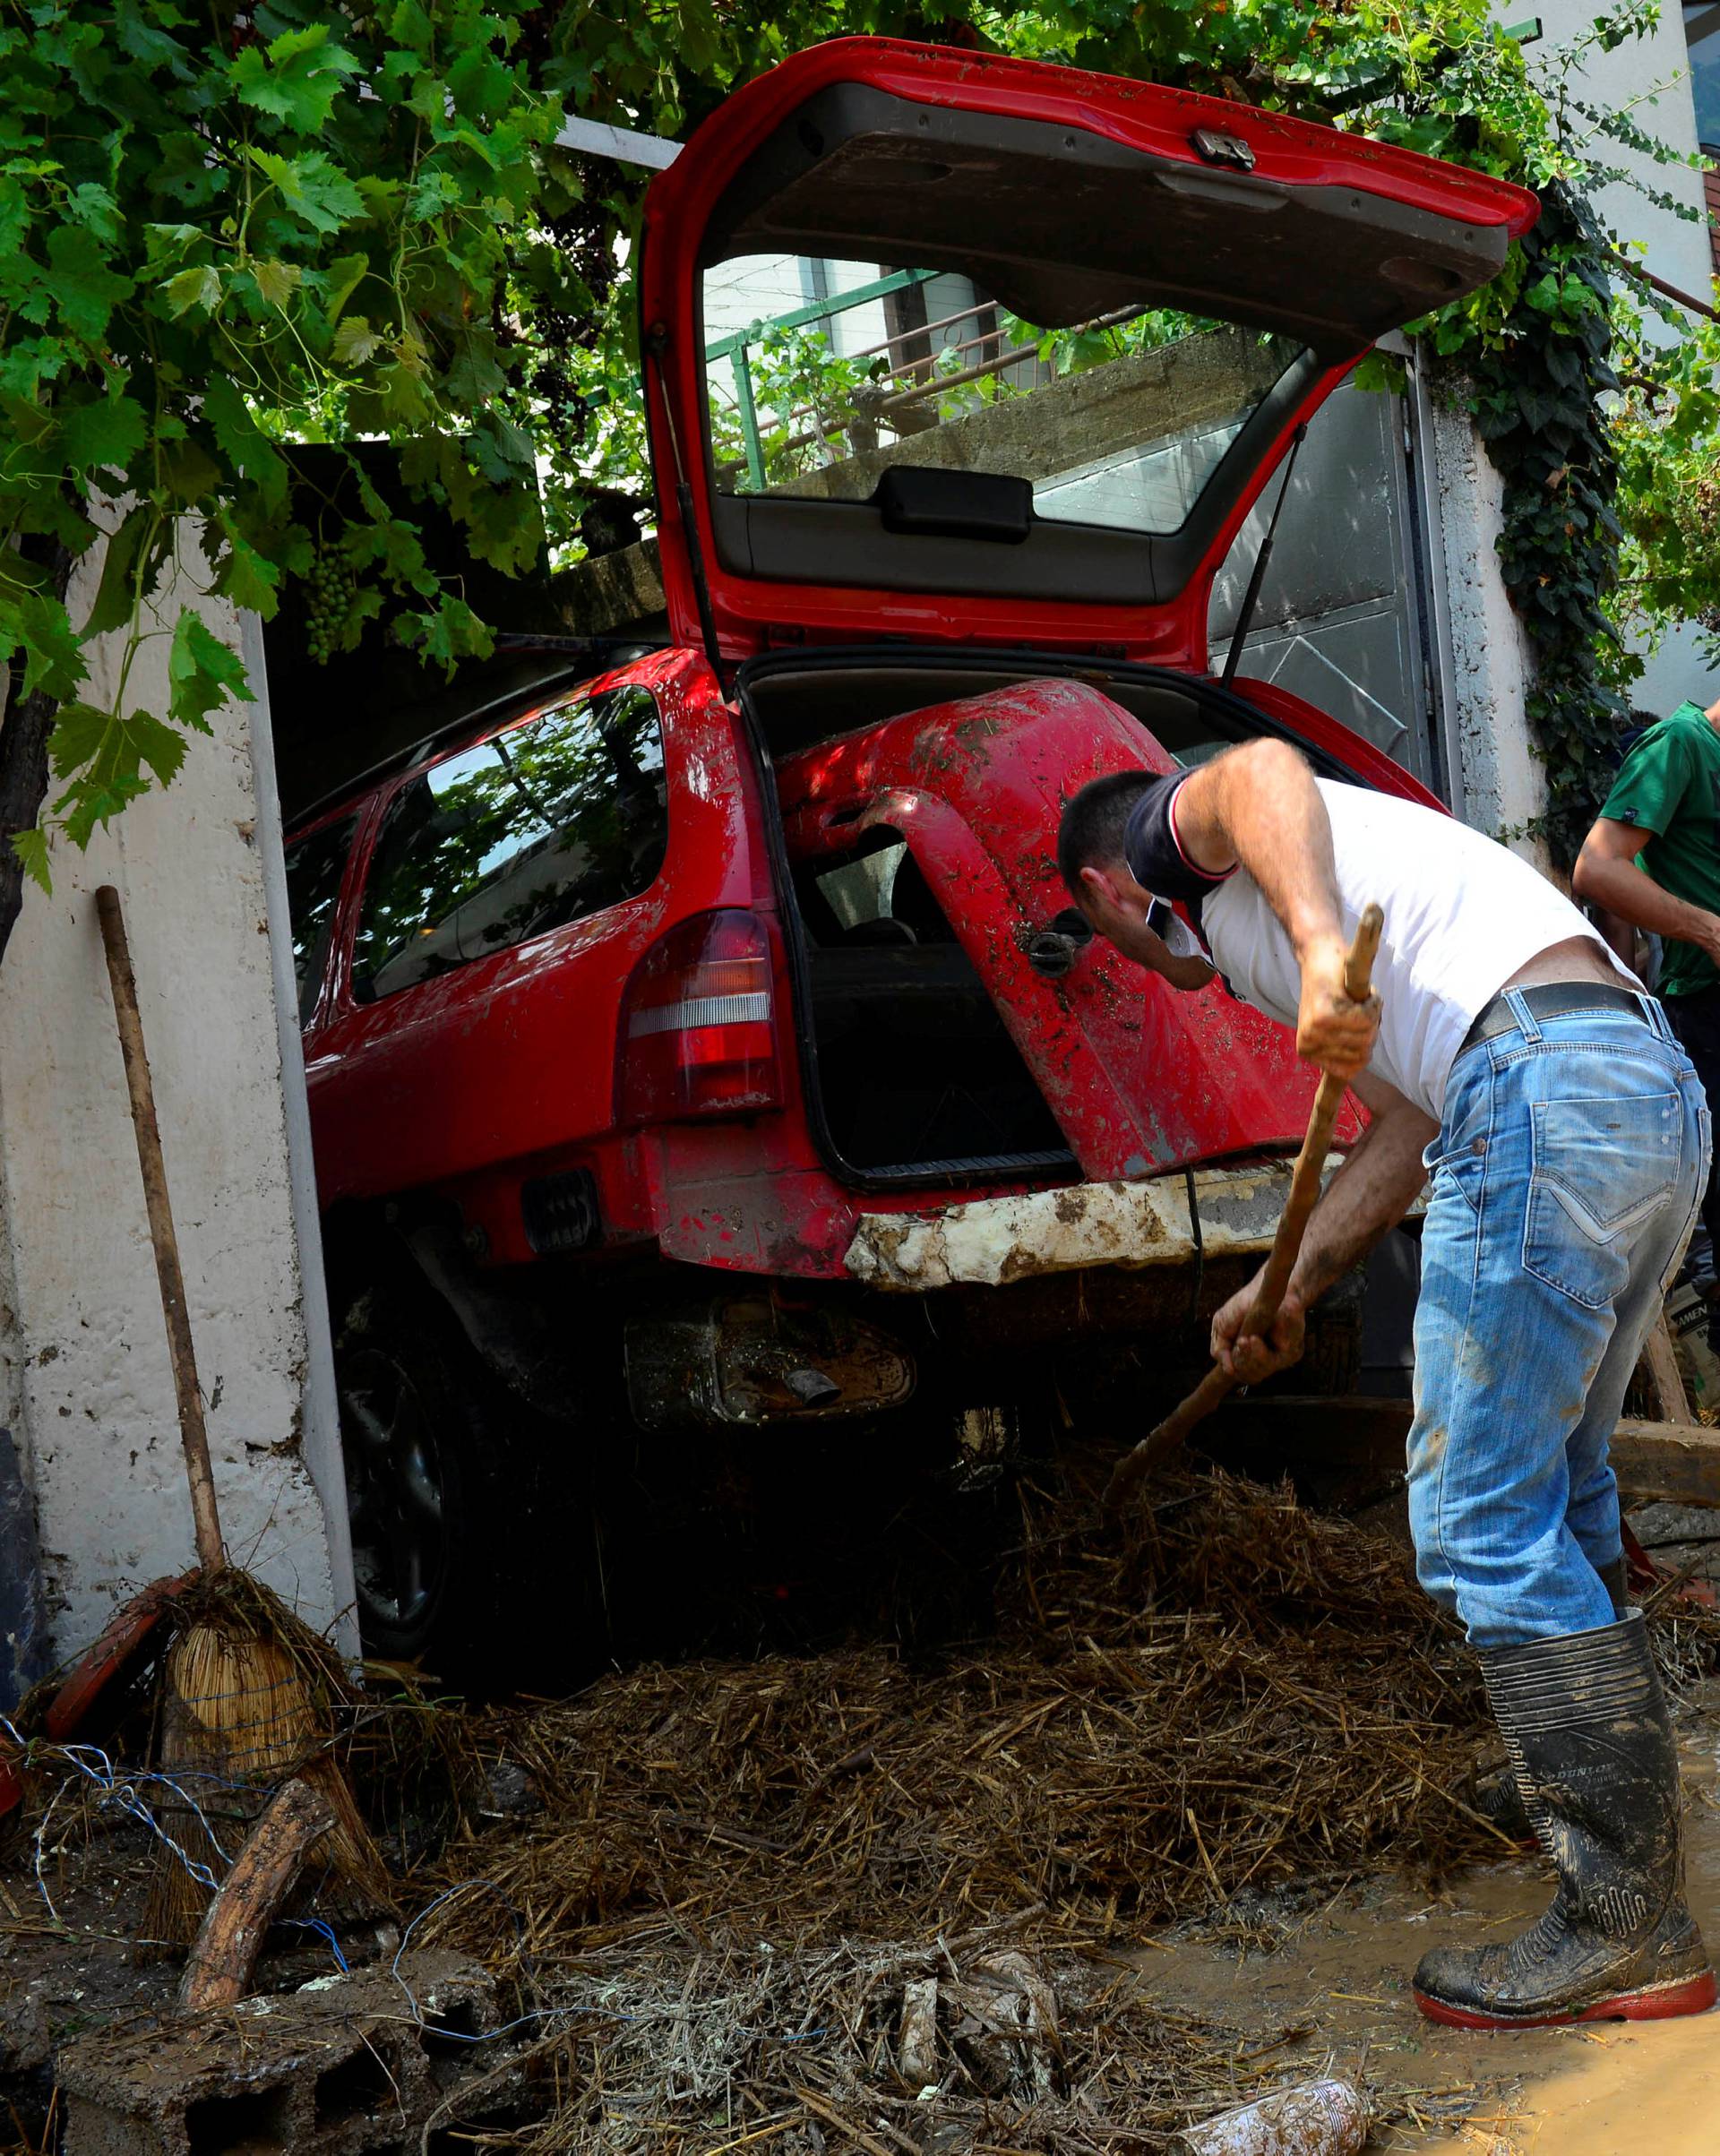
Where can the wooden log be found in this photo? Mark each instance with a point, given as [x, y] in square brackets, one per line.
[224, 1954]
[1677, 1463]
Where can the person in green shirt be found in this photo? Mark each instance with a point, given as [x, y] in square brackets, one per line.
[1653, 858]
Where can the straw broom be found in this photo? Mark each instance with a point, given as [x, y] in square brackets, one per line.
[250, 1691]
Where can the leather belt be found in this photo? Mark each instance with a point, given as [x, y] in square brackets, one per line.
[1551, 1000]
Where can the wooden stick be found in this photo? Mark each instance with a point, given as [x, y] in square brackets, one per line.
[1286, 1244]
[165, 1242]
[1659, 1363]
[224, 1955]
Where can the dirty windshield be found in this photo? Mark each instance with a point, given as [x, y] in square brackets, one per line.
[822, 375]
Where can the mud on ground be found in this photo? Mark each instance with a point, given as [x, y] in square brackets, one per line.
[1176, 1829]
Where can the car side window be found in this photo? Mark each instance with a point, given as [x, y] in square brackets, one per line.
[492, 846]
[314, 871]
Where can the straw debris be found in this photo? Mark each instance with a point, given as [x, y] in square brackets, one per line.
[757, 1894]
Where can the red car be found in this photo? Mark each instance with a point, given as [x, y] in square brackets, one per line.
[706, 1047]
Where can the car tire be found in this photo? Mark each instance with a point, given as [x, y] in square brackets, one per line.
[467, 1528]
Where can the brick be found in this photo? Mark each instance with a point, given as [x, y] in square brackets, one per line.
[337, 2068]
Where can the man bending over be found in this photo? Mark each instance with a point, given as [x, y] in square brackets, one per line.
[1511, 1058]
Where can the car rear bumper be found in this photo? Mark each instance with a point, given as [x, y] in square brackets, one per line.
[994, 1241]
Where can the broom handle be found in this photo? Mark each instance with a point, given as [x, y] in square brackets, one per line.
[1311, 1162]
[1286, 1244]
[162, 1239]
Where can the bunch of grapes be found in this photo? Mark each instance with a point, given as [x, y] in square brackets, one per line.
[329, 590]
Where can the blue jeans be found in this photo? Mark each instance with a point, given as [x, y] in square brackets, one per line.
[1566, 1177]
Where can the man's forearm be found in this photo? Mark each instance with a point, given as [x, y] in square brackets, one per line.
[1370, 1193]
[1630, 892]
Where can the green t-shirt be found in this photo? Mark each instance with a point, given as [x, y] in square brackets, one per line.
[1669, 787]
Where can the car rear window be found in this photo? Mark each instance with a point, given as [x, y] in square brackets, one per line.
[822, 374]
[314, 866]
[492, 846]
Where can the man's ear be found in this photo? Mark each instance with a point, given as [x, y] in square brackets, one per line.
[1096, 883]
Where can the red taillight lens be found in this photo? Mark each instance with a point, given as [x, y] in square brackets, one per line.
[697, 1024]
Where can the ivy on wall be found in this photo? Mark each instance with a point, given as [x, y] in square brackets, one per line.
[1538, 391]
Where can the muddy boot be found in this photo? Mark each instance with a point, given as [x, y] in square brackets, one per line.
[1498, 1798]
[1589, 1736]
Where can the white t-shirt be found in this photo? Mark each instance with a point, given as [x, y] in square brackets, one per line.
[1463, 915]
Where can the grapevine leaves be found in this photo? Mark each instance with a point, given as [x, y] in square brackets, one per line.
[211, 249]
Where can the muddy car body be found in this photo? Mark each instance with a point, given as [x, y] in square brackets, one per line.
[705, 1045]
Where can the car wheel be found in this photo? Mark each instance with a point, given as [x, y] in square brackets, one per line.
[404, 1493]
[474, 1544]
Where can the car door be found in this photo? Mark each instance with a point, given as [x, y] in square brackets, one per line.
[506, 890]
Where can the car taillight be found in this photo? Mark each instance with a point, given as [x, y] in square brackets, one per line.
[698, 1024]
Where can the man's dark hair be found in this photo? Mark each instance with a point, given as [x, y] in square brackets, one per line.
[1090, 834]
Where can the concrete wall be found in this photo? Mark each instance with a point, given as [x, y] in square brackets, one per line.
[86, 1379]
[1490, 663]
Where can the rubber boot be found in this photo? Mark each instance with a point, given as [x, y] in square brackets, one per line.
[1591, 1742]
[1498, 1800]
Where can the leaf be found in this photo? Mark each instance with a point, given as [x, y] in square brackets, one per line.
[454, 633]
[103, 755]
[355, 341]
[85, 285]
[313, 187]
[190, 472]
[244, 575]
[199, 286]
[297, 80]
[31, 849]
[115, 593]
[277, 281]
[105, 433]
[243, 443]
[202, 672]
[53, 654]
[344, 276]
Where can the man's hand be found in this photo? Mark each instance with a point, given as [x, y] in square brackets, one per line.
[1247, 1357]
[1332, 1031]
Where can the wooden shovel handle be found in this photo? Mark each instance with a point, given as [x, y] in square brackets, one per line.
[1317, 1143]
[165, 1242]
[1286, 1244]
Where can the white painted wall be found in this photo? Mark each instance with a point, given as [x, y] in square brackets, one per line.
[82, 1338]
[1649, 78]
[1491, 665]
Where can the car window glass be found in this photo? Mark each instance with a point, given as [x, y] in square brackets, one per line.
[822, 375]
[490, 847]
[859, 892]
[313, 869]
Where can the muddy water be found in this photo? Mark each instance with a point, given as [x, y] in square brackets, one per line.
[1614, 2090]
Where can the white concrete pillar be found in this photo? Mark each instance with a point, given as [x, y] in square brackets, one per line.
[88, 1382]
[1504, 785]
